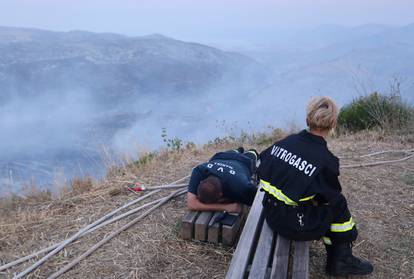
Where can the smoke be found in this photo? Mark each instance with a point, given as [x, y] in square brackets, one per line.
[47, 134]
[42, 123]
[50, 126]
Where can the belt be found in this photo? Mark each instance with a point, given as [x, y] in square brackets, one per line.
[272, 201]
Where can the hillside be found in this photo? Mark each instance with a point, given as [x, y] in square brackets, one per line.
[115, 68]
[380, 197]
[65, 95]
[343, 62]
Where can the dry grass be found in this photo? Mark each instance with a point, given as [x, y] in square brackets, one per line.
[381, 199]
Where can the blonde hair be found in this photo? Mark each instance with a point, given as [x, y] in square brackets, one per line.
[321, 114]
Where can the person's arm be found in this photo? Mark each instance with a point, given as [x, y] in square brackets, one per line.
[193, 203]
[328, 185]
[332, 175]
[250, 193]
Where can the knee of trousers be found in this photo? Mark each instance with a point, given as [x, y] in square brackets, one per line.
[340, 210]
[340, 237]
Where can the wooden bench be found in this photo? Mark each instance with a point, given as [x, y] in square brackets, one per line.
[262, 254]
[198, 225]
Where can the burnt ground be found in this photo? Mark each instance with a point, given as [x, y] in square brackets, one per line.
[381, 199]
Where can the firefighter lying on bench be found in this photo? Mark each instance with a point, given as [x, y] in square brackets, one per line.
[224, 182]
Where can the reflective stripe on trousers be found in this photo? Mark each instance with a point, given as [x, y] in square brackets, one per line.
[343, 227]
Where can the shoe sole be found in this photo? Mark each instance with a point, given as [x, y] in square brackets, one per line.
[348, 273]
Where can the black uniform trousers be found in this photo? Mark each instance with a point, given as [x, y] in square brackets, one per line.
[343, 228]
[252, 155]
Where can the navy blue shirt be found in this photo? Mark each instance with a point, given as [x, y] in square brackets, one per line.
[234, 171]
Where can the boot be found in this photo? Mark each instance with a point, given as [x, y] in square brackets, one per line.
[254, 151]
[341, 262]
[329, 256]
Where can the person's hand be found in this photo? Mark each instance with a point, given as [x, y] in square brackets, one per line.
[234, 207]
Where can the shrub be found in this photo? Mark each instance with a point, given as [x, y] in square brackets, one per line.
[387, 112]
[268, 138]
[81, 184]
[145, 159]
[174, 144]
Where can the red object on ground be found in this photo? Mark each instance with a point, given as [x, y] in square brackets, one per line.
[137, 188]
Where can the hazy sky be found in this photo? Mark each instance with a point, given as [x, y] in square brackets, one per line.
[200, 19]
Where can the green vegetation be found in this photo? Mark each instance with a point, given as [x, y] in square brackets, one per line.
[250, 139]
[145, 159]
[268, 138]
[376, 111]
[175, 144]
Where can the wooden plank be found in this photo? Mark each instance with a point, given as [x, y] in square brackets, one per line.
[262, 254]
[229, 233]
[301, 260]
[201, 225]
[280, 258]
[187, 225]
[243, 251]
[214, 231]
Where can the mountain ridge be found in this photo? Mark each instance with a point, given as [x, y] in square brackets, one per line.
[141, 59]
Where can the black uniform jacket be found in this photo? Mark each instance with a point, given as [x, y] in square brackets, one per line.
[301, 166]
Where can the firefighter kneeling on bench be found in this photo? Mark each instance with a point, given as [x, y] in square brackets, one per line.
[303, 199]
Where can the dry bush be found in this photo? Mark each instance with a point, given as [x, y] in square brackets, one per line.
[81, 184]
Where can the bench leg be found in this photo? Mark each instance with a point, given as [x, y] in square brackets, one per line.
[187, 225]
[201, 225]
[214, 230]
[229, 232]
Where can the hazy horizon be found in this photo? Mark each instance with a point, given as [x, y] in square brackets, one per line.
[217, 22]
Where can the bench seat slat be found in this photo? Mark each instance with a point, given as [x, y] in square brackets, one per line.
[301, 260]
[261, 257]
[241, 256]
[256, 230]
[281, 258]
